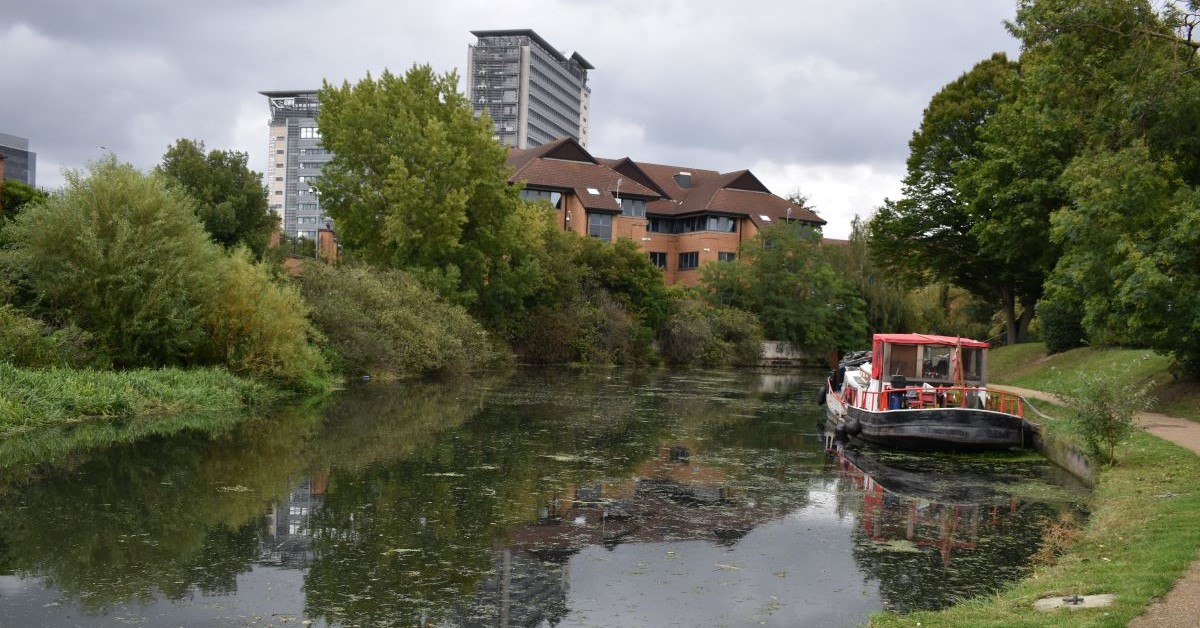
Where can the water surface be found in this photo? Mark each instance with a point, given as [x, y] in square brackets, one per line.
[543, 498]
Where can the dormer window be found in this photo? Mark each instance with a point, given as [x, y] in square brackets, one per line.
[633, 207]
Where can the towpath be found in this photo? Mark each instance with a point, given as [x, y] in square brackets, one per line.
[1180, 608]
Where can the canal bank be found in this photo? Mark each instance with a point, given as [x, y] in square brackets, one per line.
[1140, 544]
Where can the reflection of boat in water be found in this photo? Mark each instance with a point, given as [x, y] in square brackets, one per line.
[924, 392]
[933, 531]
[924, 507]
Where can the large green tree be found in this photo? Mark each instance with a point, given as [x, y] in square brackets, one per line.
[231, 199]
[785, 278]
[1123, 72]
[954, 224]
[417, 182]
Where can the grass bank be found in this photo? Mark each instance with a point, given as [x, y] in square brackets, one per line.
[1028, 366]
[31, 399]
[46, 414]
[1144, 527]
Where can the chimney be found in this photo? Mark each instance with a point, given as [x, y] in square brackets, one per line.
[683, 180]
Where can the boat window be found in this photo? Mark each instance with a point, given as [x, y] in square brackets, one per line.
[903, 361]
[936, 363]
[972, 364]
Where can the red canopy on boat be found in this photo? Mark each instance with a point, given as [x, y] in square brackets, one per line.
[930, 339]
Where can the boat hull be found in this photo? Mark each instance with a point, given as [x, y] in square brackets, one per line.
[931, 429]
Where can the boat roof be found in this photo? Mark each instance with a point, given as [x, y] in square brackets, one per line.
[930, 339]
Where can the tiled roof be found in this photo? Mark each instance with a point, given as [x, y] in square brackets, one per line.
[566, 165]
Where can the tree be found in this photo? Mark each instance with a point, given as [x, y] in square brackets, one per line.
[953, 224]
[15, 195]
[122, 256]
[886, 301]
[418, 183]
[783, 277]
[1123, 75]
[232, 201]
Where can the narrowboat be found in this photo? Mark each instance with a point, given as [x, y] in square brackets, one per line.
[924, 392]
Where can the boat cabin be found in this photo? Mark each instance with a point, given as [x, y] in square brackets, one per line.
[928, 359]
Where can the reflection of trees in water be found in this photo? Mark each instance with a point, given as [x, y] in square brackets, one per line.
[928, 552]
[413, 539]
[163, 516]
[404, 495]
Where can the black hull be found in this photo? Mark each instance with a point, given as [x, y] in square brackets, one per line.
[935, 429]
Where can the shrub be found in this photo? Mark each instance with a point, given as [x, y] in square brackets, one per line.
[697, 333]
[121, 256]
[384, 321]
[1104, 408]
[28, 342]
[1060, 315]
[260, 327]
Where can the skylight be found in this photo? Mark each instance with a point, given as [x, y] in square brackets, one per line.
[765, 218]
[593, 191]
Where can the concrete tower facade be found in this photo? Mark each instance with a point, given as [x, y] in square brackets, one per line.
[533, 93]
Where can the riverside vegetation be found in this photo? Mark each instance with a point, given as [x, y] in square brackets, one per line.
[1140, 536]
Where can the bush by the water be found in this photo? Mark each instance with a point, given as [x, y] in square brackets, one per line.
[28, 342]
[700, 334]
[384, 321]
[122, 256]
[593, 328]
[259, 326]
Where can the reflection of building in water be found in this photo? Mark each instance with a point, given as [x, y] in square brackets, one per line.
[290, 540]
[526, 590]
[671, 497]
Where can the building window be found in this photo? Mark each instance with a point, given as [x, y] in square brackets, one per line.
[726, 256]
[633, 207]
[721, 223]
[688, 261]
[658, 259]
[280, 138]
[600, 226]
[533, 196]
[310, 133]
[278, 192]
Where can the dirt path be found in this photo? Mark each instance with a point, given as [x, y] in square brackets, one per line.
[1180, 608]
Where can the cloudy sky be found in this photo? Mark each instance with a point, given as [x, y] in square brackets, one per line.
[818, 96]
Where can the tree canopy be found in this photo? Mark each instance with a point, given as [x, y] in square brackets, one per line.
[417, 182]
[787, 280]
[231, 199]
[953, 224]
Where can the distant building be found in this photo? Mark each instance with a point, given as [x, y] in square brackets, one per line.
[20, 163]
[533, 93]
[681, 217]
[295, 157]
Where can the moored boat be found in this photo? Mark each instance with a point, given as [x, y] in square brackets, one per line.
[924, 392]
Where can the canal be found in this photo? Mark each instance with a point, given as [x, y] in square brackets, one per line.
[540, 498]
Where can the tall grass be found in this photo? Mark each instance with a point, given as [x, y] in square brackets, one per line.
[37, 398]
